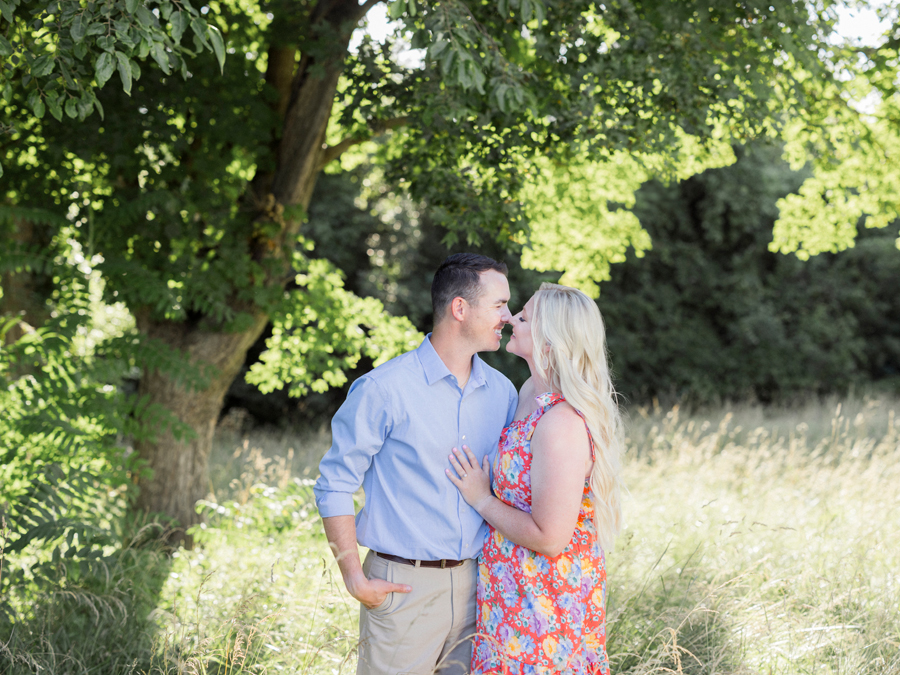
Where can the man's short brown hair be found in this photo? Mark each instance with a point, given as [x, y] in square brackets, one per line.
[459, 276]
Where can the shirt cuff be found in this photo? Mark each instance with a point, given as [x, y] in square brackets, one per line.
[334, 504]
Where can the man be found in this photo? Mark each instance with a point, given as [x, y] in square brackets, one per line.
[393, 436]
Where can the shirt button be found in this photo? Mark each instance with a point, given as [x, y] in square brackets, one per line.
[464, 437]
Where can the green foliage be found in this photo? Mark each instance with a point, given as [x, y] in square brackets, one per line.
[57, 53]
[548, 114]
[321, 331]
[851, 139]
[711, 314]
[66, 473]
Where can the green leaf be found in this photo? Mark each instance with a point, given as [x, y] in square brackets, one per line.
[79, 28]
[199, 27]
[67, 76]
[447, 62]
[462, 74]
[161, 57]
[131, 6]
[104, 68]
[540, 12]
[478, 75]
[7, 93]
[145, 17]
[6, 9]
[39, 108]
[124, 65]
[396, 9]
[72, 108]
[218, 46]
[54, 106]
[98, 106]
[436, 48]
[95, 29]
[6, 49]
[42, 66]
[143, 48]
[525, 8]
[179, 22]
[85, 104]
[135, 71]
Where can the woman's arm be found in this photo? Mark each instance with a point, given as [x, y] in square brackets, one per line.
[561, 460]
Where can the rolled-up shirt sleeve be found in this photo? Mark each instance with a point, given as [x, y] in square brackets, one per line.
[358, 430]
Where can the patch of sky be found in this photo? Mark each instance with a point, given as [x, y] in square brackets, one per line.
[379, 27]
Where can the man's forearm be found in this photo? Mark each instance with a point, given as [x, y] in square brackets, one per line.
[341, 534]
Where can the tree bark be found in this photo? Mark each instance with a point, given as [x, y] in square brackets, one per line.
[25, 294]
[180, 467]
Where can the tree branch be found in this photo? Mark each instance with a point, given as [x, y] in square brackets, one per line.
[332, 152]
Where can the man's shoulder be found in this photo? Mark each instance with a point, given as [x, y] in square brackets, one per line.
[398, 367]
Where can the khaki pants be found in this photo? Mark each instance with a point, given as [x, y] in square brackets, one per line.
[426, 631]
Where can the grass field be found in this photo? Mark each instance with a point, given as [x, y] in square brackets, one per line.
[756, 542]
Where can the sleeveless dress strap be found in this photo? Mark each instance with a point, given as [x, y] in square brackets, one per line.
[550, 399]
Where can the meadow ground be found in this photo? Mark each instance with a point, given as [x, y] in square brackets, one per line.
[756, 542]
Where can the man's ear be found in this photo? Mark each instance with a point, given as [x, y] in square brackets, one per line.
[458, 307]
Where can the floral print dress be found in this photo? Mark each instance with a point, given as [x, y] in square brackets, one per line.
[539, 615]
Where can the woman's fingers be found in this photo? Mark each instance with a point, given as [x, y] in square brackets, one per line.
[466, 458]
[456, 457]
[465, 463]
[454, 462]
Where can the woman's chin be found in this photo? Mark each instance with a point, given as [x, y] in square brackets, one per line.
[511, 347]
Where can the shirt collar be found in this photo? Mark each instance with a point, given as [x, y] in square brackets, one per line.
[435, 369]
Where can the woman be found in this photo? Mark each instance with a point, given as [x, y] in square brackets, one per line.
[542, 582]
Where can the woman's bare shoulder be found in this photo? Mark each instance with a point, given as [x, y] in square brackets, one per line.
[561, 437]
[562, 417]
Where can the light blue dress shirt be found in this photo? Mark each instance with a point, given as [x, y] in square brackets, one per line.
[393, 436]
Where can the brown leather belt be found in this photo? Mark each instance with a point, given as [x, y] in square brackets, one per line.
[420, 563]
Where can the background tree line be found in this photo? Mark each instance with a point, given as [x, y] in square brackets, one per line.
[708, 314]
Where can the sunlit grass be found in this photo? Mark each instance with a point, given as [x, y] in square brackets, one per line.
[757, 541]
[753, 550]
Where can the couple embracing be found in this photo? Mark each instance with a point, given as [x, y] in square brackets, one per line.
[484, 556]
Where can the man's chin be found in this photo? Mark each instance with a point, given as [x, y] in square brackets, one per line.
[493, 346]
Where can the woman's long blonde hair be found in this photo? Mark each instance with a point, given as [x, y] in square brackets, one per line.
[570, 355]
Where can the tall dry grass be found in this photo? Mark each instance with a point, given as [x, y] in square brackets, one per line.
[761, 545]
[757, 541]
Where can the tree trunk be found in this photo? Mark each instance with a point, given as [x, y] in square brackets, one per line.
[180, 467]
[180, 472]
[25, 294]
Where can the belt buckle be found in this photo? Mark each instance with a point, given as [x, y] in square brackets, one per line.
[443, 564]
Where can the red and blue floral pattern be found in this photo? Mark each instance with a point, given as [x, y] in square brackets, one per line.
[539, 615]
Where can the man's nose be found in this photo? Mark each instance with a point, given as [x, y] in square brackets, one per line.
[506, 317]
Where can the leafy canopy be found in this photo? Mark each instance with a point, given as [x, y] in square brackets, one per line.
[526, 123]
[61, 51]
